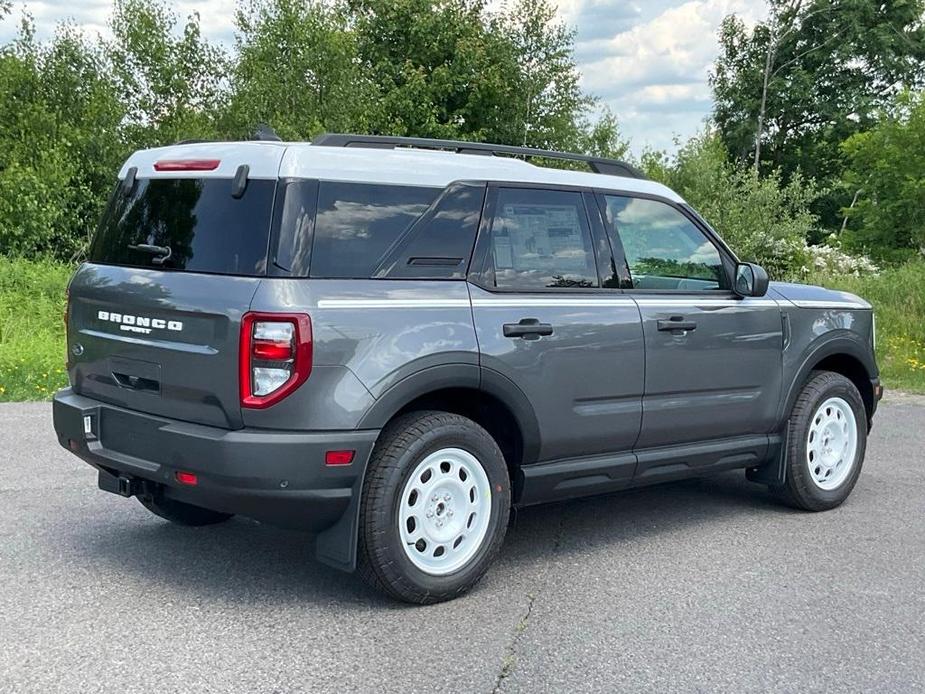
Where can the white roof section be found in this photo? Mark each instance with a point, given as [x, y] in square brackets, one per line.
[263, 158]
[401, 166]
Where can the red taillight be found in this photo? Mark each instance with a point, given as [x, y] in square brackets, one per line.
[338, 457]
[187, 164]
[275, 356]
[187, 478]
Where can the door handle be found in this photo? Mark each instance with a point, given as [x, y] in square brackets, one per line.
[528, 329]
[677, 323]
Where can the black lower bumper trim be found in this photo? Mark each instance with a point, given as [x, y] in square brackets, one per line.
[278, 477]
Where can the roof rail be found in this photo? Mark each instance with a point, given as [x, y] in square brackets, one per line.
[612, 167]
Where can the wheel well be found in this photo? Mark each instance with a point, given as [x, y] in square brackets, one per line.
[488, 412]
[854, 371]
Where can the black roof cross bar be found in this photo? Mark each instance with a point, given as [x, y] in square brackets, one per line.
[612, 167]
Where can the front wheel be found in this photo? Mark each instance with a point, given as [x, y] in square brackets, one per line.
[827, 442]
[434, 509]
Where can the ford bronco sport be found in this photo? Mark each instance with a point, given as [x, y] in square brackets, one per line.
[392, 342]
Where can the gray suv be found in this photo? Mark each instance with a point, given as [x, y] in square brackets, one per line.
[393, 342]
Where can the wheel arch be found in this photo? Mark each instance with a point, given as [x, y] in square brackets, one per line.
[842, 355]
[487, 397]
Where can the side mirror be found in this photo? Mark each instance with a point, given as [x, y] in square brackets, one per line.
[751, 280]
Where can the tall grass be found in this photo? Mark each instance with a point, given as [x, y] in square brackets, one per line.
[32, 350]
[898, 297]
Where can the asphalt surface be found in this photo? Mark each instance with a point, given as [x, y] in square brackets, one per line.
[695, 586]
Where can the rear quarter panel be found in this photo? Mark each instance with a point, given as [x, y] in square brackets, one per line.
[368, 335]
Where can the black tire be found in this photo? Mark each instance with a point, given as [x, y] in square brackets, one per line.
[180, 513]
[404, 443]
[799, 490]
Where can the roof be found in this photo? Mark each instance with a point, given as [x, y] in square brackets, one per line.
[403, 166]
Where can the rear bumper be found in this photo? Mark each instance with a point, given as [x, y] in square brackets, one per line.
[278, 477]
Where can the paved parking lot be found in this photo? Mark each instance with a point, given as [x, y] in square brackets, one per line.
[695, 586]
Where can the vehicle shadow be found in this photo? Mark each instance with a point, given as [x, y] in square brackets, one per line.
[245, 562]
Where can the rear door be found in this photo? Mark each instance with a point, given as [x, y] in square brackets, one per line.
[713, 360]
[154, 316]
[548, 321]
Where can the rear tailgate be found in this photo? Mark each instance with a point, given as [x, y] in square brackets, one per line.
[159, 342]
[154, 318]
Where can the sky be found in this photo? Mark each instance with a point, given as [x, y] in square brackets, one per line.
[648, 60]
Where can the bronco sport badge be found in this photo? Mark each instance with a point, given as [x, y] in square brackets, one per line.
[139, 324]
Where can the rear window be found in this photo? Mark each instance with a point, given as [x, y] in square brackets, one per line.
[191, 224]
[357, 223]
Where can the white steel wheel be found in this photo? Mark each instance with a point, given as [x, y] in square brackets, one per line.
[444, 511]
[831, 443]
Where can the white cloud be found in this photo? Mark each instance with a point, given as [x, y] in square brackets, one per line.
[216, 16]
[654, 75]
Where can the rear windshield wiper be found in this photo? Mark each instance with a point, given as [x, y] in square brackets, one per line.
[163, 253]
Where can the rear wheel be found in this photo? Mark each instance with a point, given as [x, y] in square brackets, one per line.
[828, 439]
[180, 513]
[435, 507]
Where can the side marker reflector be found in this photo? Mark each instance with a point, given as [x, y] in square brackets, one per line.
[187, 478]
[338, 457]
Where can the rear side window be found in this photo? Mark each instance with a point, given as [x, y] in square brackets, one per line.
[295, 222]
[191, 224]
[357, 223]
[540, 239]
[439, 244]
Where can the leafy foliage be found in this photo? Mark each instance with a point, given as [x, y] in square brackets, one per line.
[886, 173]
[814, 73]
[60, 141]
[171, 85]
[297, 69]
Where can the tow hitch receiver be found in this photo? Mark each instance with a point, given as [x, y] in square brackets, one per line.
[120, 484]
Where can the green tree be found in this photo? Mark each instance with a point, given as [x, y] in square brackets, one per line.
[789, 91]
[172, 85]
[59, 141]
[886, 180]
[439, 70]
[602, 137]
[549, 106]
[296, 69]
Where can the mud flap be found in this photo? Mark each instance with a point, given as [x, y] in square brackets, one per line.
[774, 472]
[337, 546]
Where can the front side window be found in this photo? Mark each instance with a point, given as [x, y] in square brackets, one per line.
[663, 248]
[540, 239]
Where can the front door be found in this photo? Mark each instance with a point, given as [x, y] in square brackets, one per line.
[546, 323]
[713, 360]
